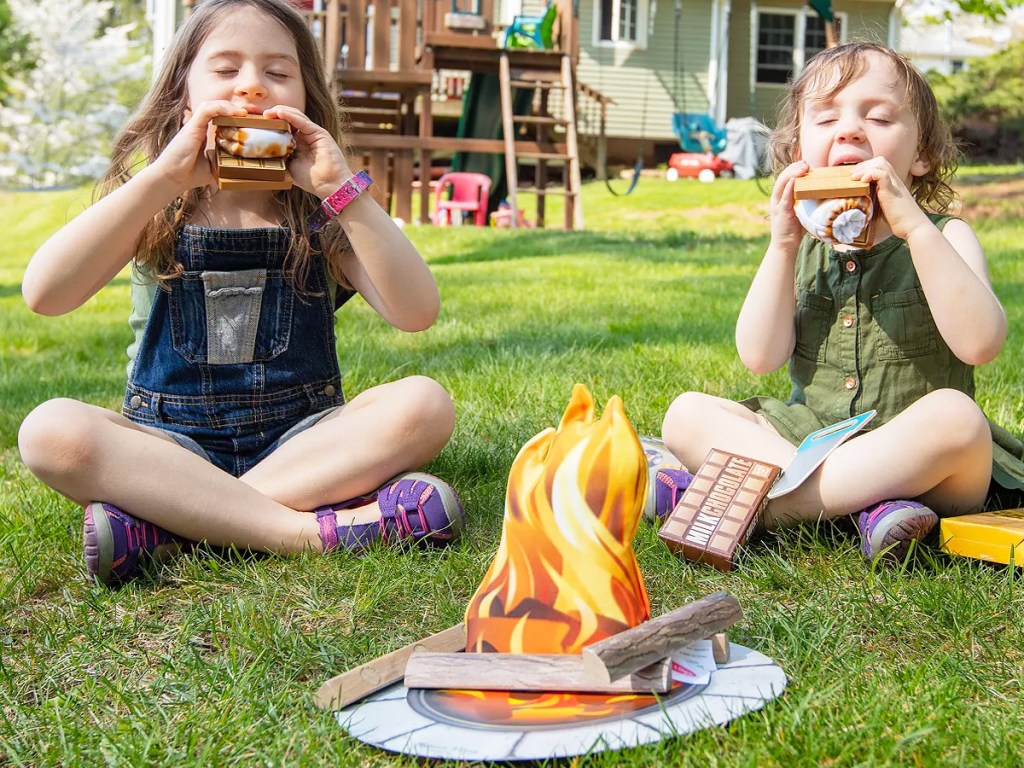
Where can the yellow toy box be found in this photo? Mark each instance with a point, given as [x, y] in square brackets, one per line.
[997, 537]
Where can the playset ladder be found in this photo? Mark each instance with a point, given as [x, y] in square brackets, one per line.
[547, 83]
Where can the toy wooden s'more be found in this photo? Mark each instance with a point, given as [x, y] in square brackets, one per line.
[251, 152]
[996, 537]
[834, 208]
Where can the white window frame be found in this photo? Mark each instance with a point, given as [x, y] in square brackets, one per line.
[800, 16]
[642, 16]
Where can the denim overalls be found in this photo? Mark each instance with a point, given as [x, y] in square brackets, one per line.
[233, 359]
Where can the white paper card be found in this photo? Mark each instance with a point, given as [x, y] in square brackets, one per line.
[694, 663]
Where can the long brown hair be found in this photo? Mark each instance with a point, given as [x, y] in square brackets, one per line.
[149, 130]
[832, 70]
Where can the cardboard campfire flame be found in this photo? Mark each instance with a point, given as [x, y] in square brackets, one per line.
[565, 574]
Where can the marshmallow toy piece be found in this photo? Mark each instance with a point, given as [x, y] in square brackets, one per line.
[255, 142]
[835, 220]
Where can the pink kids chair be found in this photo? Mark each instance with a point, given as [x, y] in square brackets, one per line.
[469, 195]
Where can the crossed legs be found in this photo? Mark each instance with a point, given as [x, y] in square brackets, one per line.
[89, 453]
[938, 451]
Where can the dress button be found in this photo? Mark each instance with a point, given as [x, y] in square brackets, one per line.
[847, 321]
[850, 382]
[851, 266]
[135, 402]
[329, 390]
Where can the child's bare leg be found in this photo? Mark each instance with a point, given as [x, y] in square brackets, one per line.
[92, 454]
[89, 453]
[696, 423]
[938, 451]
[391, 428]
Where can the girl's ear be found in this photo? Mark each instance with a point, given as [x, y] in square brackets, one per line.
[921, 165]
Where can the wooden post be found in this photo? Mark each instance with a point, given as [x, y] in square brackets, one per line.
[332, 40]
[508, 129]
[381, 35]
[636, 648]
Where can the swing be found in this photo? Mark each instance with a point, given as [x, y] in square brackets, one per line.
[700, 137]
[639, 166]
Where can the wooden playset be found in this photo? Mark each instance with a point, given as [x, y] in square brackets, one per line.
[387, 61]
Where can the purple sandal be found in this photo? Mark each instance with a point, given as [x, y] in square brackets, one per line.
[115, 543]
[415, 507]
[889, 527]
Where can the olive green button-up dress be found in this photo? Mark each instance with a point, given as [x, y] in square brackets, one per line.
[865, 339]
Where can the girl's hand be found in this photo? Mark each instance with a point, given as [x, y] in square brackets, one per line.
[184, 159]
[318, 164]
[901, 211]
[787, 232]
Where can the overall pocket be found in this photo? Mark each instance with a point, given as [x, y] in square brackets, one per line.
[813, 318]
[905, 325]
[223, 318]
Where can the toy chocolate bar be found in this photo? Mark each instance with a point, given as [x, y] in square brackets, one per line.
[996, 537]
[251, 152]
[834, 208]
[717, 513]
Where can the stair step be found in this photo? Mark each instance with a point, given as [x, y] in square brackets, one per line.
[547, 84]
[541, 191]
[542, 156]
[539, 120]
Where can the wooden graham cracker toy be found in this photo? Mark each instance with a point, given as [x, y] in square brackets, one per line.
[997, 537]
[251, 153]
[715, 516]
[834, 208]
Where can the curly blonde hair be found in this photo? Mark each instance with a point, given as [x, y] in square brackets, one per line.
[832, 70]
[158, 119]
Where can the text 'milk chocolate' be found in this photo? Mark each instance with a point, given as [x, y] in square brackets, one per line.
[715, 516]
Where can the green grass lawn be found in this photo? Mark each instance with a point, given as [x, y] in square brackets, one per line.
[214, 659]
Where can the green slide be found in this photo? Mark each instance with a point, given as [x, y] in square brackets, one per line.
[481, 119]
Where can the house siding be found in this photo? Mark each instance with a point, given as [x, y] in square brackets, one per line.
[867, 22]
[643, 82]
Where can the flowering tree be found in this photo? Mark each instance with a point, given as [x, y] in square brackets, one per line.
[60, 116]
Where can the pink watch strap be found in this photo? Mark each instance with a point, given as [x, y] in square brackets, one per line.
[336, 203]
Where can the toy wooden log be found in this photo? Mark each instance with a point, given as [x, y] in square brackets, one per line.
[357, 683]
[636, 648]
[562, 673]
[718, 512]
[233, 172]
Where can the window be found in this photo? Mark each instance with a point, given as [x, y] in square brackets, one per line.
[620, 22]
[786, 40]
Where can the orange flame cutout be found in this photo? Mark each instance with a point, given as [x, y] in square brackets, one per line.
[565, 574]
